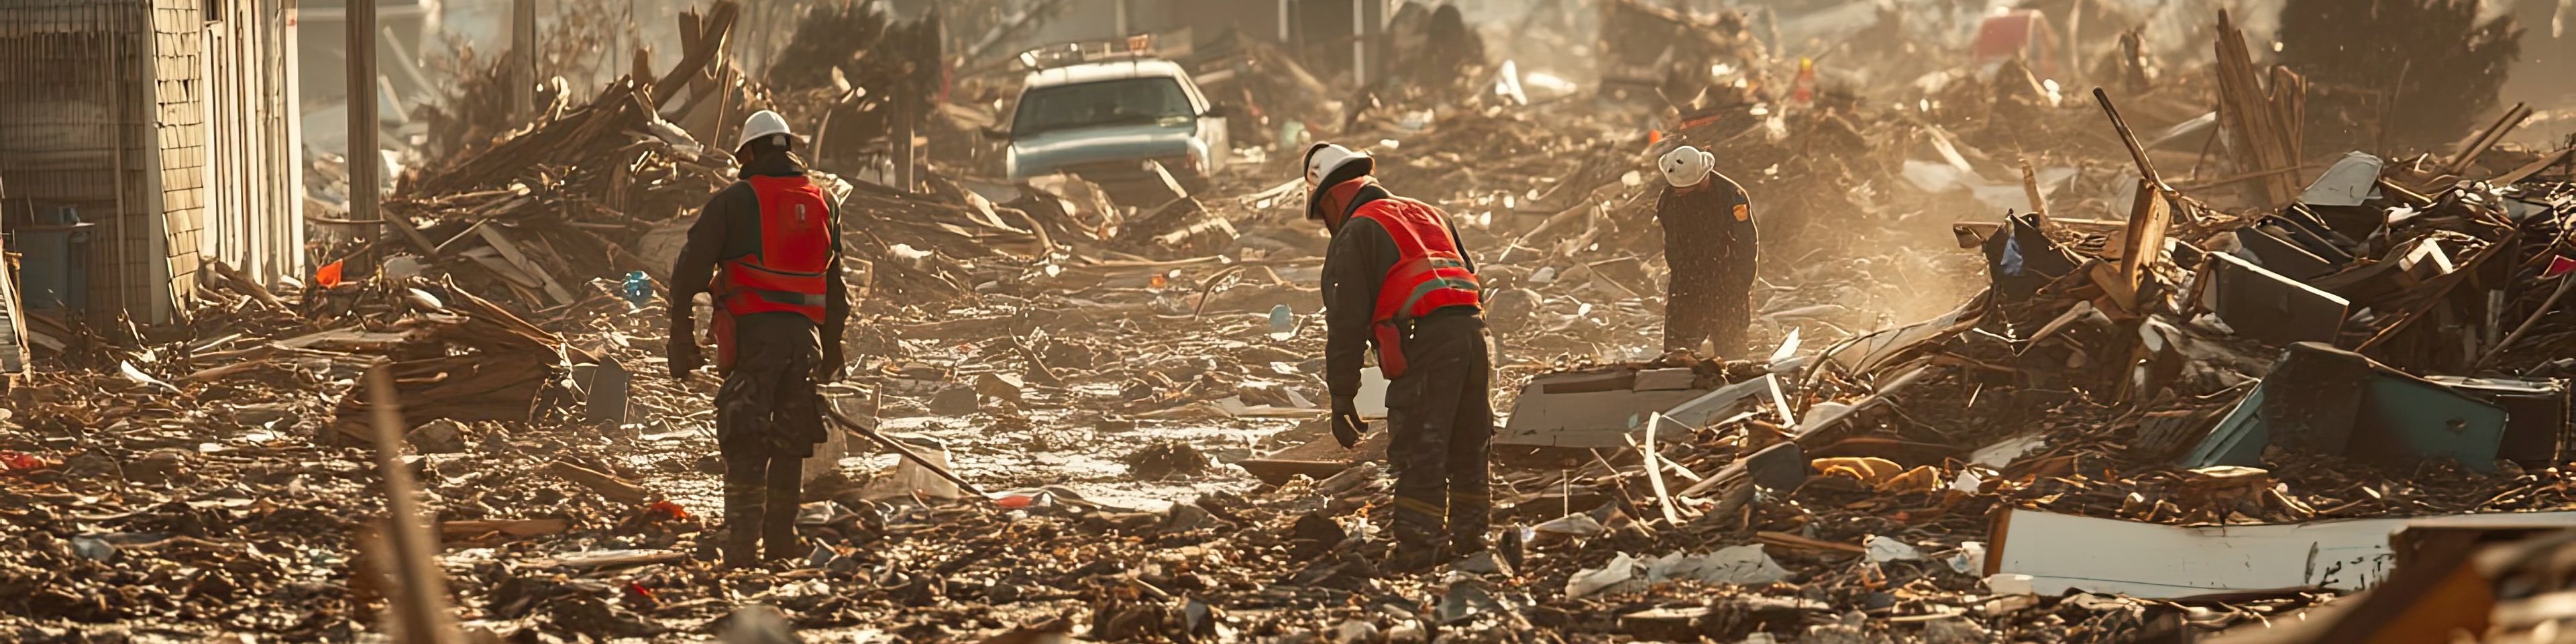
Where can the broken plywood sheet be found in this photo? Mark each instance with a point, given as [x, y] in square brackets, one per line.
[2147, 560]
[1587, 409]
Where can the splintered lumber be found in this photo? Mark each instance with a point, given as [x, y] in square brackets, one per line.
[2265, 121]
[2475, 146]
[233, 279]
[710, 39]
[404, 551]
[1787, 540]
[607, 485]
[512, 527]
[510, 363]
[2146, 240]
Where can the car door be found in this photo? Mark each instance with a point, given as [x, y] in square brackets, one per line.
[1211, 128]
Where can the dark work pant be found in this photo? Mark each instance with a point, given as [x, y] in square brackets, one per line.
[1710, 300]
[1441, 421]
[760, 506]
[768, 418]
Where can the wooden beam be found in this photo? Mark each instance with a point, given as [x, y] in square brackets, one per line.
[523, 58]
[607, 485]
[364, 160]
[717, 22]
[2148, 216]
[510, 251]
[410, 555]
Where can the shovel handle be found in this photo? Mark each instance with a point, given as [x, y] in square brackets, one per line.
[855, 428]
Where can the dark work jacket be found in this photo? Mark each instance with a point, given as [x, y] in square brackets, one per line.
[1355, 266]
[1701, 233]
[729, 227]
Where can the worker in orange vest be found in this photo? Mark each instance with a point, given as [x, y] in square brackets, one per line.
[1396, 279]
[766, 250]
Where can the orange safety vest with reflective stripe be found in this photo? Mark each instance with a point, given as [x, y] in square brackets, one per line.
[786, 274]
[1429, 274]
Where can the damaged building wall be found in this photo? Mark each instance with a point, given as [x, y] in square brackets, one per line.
[165, 135]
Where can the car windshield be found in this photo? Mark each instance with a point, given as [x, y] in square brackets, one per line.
[1125, 101]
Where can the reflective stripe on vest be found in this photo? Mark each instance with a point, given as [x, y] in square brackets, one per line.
[1429, 275]
[786, 274]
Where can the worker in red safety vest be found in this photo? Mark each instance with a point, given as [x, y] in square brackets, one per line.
[1396, 279]
[766, 250]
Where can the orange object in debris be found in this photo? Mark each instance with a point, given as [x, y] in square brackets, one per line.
[1654, 137]
[21, 461]
[1805, 88]
[2558, 265]
[666, 511]
[329, 276]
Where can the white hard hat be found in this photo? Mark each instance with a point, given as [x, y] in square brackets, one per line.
[1329, 161]
[1322, 159]
[1685, 166]
[763, 123]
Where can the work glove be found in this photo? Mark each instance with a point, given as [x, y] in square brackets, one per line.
[1347, 426]
[830, 369]
[682, 351]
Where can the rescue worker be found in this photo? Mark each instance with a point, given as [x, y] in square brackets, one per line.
[766, 250]
[1396, 279]
[1708, 243]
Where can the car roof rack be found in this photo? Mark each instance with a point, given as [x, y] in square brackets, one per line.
[1135, 47]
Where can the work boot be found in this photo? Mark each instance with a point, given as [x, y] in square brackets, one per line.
[1415, 558]
[778, 533]
[1466, 543]
[742, 517]
[741, 547]
[1469, 520]
[1417, 546]
[778, 527]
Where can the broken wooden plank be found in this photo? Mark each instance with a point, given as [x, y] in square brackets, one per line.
[2145, 243]
[2259, 117]
[512, 527]
[718, 23]
[233, 279]
[408, 557]
[510, 251]
[607, 485]
[2537, 165]
[2476, 146]
[1787, 540]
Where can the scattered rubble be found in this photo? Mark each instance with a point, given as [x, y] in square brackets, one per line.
[2031, 359]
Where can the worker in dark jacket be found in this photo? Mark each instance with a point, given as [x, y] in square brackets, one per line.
[766, 250]
[1708, 243]
[1396, 279]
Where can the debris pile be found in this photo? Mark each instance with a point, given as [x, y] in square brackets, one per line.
[2016, 327]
